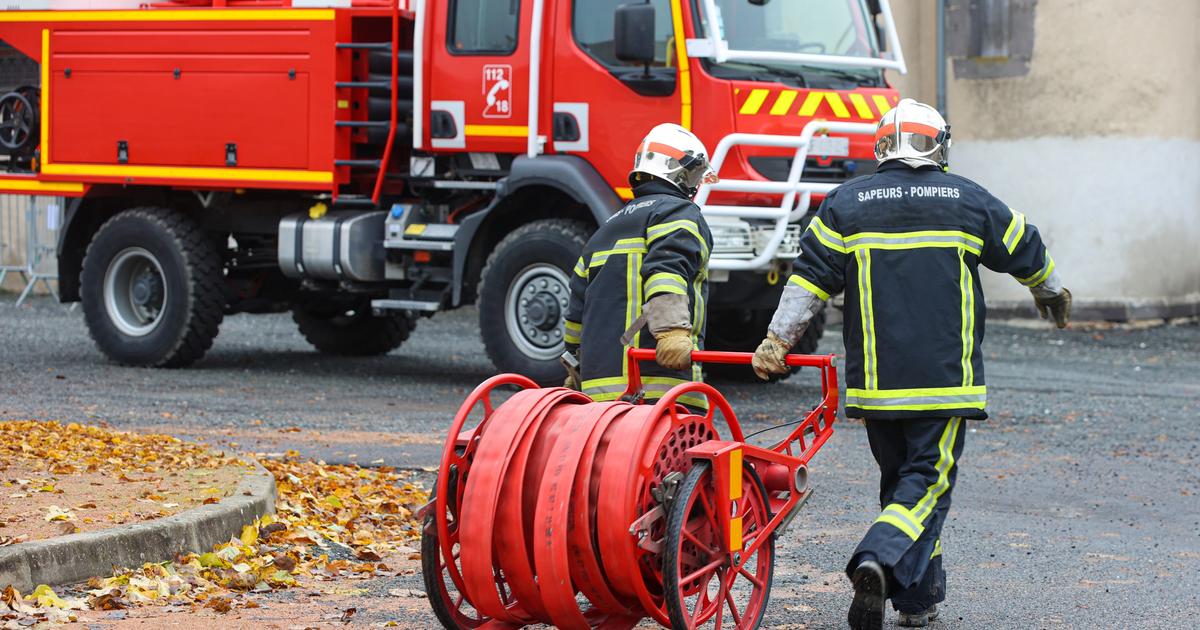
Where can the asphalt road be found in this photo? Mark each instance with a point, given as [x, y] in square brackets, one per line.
[1078, 504]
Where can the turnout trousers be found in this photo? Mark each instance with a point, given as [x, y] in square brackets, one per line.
[918, 463]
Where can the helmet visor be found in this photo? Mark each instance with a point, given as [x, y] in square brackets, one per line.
[885, 146]
[921, 143]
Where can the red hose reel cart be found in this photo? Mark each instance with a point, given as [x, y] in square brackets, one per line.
[551, 508]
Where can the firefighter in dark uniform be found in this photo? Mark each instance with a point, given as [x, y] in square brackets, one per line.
[646, 267]
[905, 245]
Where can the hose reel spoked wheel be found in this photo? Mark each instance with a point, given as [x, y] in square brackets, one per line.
[441, 536]
[448, 603]
[18, 121]
[706, 584]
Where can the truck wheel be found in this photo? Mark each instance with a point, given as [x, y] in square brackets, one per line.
[353, 332]
[741, 330]
[152, 288]
[523, 297]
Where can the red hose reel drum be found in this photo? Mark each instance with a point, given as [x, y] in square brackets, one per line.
[555, 509]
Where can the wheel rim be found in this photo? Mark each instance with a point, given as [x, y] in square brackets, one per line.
[711, 591]
[135, 292]
[534, 309]
[16, 121]
[453, 604]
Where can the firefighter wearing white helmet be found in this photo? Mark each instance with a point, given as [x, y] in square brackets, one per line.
[646, 267]
[915, 134]
[905, 245]
[675, 155]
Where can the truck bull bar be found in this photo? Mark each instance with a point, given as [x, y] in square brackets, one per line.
[788, 209]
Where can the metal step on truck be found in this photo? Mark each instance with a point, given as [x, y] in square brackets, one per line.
[366, 163]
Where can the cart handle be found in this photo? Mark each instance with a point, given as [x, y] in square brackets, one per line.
[637, 355]
[805, 438]
[826, 363]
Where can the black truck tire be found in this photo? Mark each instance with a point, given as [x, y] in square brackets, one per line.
[741, 330]
[152, 288]
[355, 331]
[523, 296]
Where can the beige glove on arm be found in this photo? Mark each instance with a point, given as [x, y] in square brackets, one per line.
[674, 349]
[1056, 308]
[770, 358]
[797, 306]
[1053, 300]
[669, 320]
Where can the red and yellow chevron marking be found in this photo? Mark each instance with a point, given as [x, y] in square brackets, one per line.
[814, 103]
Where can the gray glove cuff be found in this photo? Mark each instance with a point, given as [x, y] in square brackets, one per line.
[796, 308]
[1050, 287]
[666, 311]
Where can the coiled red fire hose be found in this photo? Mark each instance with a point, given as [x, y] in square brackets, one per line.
[641, 510]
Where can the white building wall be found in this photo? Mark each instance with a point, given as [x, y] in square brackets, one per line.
[1121, 215]
[1098, 143]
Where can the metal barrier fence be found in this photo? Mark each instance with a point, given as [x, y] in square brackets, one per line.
[28, 238]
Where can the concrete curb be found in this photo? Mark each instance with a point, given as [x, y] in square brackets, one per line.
[75, 558]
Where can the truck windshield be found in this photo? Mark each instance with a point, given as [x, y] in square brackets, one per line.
[823, 27]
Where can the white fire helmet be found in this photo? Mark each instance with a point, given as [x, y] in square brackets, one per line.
[675, 155]
[914, 133]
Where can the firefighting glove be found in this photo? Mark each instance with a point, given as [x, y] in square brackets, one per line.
[669, 319]
[770, 358]
[1057, 307]
[674, 349]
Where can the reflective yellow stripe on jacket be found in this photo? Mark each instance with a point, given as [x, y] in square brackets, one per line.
[920, 399]
[573, 332]
[665, 283]
[967, 289]
[662, 229]
[1039, 277]
[894, 240]
[621, 247]
[1015, 231]
[808, 286]
[866, 308]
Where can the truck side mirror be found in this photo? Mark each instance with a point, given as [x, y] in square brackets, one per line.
[633, 33]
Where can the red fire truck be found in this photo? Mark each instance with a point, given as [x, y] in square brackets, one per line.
[364, 163]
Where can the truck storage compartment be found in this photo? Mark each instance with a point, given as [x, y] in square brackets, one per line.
[216, 96]
[338, 246]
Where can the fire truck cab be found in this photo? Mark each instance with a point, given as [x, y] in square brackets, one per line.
[365, 163]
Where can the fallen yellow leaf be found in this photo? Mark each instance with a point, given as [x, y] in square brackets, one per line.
[55, 513]
[249, 535]
[45, 596]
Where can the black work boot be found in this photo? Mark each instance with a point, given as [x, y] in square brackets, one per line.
[870, 593]
[920, 619]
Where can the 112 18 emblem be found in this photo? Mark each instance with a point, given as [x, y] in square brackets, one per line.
[497, 91]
